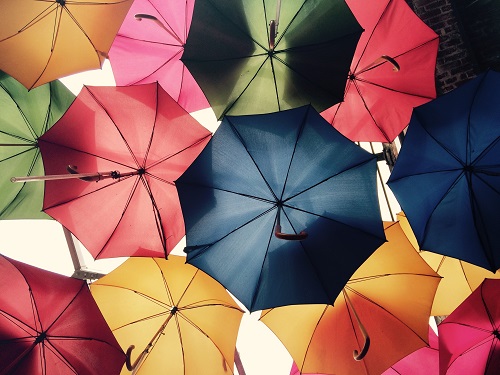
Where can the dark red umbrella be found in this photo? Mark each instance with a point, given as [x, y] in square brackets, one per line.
[469, 338]
[128, 144]
[51, 325]
[393, 70]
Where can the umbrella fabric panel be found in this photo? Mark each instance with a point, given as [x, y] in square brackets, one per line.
[26, 115]
[69, 38]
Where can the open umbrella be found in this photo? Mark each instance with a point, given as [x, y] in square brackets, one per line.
[392, 71]
[380, 316]
[129, 145]
[447, 175]
[24, 117]
[181, 321]
[253, 56]
[424, 361]
[279, 194]
[50, 324]
[148, 48]
[469, 338]
[460, 278]
[41, 41]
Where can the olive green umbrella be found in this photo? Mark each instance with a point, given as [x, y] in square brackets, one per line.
[261, 56]
[24, 117]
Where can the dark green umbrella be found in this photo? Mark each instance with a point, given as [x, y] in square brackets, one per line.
[24, 117]
[261, 56]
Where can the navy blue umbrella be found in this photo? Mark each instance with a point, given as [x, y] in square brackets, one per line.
[447, 175]
[280, 208]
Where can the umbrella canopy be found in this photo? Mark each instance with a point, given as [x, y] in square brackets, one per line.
[279, 194]
[24, 117]
[392, 71]
[183, 321]
[460, 278]
[245, 63]
[130, 144]
[469, 338]
[41, 41]
[382, 314]
[148, 48]
[424, 361]
[50, 324]
[452, 146]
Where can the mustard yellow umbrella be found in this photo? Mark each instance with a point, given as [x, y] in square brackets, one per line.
[381, 315]
[460, 278]
[171, 317]
[41, 41]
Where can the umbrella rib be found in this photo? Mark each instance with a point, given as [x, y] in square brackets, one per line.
[44, 13]
[115, 125]
[392, 89]
[311, 337]
[47, 345]
[167, 288]
[149, 41]
[23, 115]
[17, 322]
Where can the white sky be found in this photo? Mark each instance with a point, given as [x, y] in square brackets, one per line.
[42, 244]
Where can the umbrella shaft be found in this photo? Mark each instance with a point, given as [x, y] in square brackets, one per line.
[86, 176]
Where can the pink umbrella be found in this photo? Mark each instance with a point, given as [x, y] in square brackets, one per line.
[392, 71]
[424, 361]
[469, 338]
[148, 47]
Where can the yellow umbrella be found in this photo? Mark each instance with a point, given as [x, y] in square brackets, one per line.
[41, 41]
[460, 278]
[381, 316]
[179, 319]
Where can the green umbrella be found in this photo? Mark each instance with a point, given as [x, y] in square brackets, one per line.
[24, 117]
[261, 56]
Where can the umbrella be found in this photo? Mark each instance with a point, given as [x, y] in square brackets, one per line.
[446, 177]
[460, 278]
[25, 116]
[380, 316]
[246, 64]
[183, 321]
[278, 194]
[392, 71]
[424, 361]
[50, 324]
[148, 48]
[41, 41]
[469, 338]
[129, 144]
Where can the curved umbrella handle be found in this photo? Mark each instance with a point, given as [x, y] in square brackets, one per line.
[393, 62]
[272, 34]
[131, 366]
[289, 236]
[358, 355]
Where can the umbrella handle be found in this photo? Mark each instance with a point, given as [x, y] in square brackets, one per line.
[358, 356]
[287, 236]
[273, 26]
[131, 366]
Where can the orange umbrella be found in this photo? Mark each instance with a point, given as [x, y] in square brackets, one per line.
[382, 314]
[41, 41]
[460, 278]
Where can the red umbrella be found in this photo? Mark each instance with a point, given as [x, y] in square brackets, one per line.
[51, 325]
[129, 144]
[148, 48]
[392, 71]
[424, 361]
[469, 338]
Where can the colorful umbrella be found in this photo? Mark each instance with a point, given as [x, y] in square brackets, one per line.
[424, 361]
[447, 175]
[253, 56]
[460, 278]
[41, 41]
[183, 321]
[50, 324]
[392, 71]
[469, 338]
[129, 143]
[148, 48]
[382, 314]
[279, 194]
[24, 117]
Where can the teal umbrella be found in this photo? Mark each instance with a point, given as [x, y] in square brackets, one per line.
[261, 56]
[24, 117]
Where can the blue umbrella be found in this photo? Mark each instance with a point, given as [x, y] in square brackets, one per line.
[447, 176]
[280, 208]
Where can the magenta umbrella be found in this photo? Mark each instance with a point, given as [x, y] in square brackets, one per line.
[148, 47]
[424, 361]
[469, 338]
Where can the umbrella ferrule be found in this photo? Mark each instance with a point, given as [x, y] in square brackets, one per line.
[42, 336]
[174, 310]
